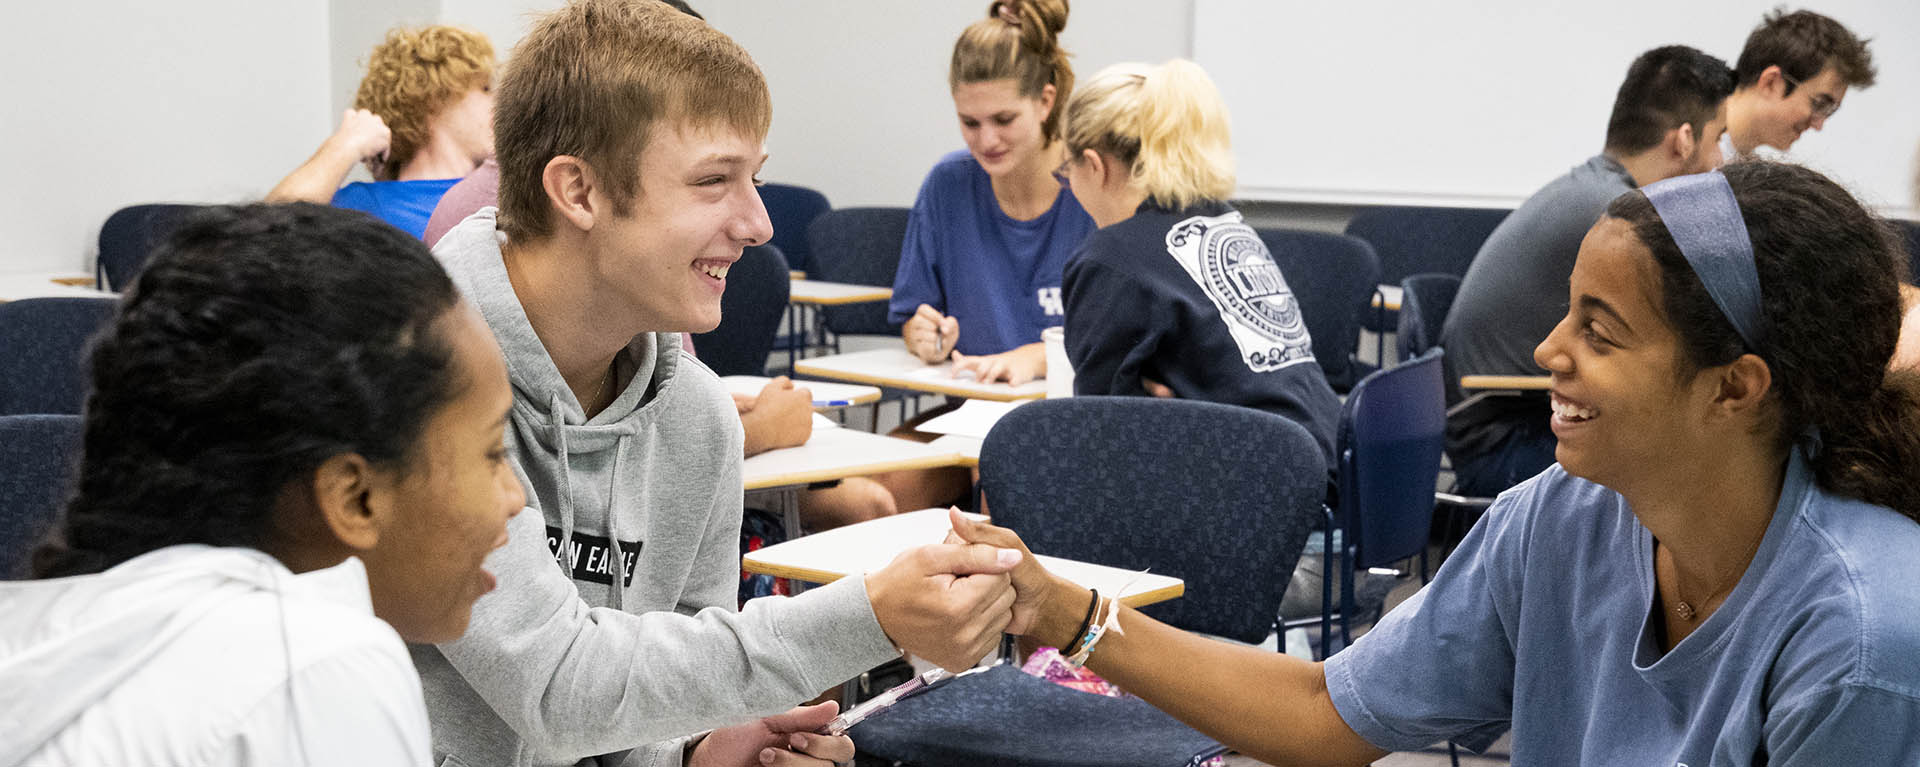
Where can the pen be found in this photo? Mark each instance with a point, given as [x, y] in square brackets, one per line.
[832, 402]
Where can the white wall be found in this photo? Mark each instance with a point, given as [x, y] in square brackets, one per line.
[126, 101]
[860, 103]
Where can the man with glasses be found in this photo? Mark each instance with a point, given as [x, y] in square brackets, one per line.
[1792, 75]
[1667, 119]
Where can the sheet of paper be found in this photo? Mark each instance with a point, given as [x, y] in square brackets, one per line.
[974, 418]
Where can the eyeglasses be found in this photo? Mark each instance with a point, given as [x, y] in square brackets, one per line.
[1823, 104]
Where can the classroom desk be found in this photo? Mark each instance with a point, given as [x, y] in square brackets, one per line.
[827, 556]
[1507, 383]
[898, 369]
[967, 449]
[833, 453]
[14, 287]
[826, 394]
[1387, 297]
[816, 293]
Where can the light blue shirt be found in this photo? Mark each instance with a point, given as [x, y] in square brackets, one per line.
[1540, 622]
[967, 258]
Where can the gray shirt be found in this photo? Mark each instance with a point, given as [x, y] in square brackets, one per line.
[1516, 289]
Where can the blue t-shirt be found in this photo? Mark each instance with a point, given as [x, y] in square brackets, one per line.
[405, 204]
[1540, 622]
[967, 258]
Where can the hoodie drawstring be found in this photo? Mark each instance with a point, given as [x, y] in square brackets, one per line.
[613, 514]
[559, 427]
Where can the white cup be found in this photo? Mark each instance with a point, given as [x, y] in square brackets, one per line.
[1059, 370]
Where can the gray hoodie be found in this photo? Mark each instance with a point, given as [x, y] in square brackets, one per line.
[634, 638]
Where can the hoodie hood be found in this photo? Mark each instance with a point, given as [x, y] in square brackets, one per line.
[68, 643]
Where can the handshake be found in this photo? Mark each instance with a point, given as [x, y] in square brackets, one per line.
[950, 602]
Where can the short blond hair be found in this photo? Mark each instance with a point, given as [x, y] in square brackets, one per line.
[593, 79]
[412, 75]
[1167, 122]
[1027, 52]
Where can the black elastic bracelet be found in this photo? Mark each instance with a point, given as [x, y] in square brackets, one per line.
[1085, 623]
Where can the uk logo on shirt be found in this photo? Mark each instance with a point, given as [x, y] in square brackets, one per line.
[1231, 263]
[1050, 303]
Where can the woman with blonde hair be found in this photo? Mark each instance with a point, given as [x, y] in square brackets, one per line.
[421, 121]
[1175, 294]
[979, 274]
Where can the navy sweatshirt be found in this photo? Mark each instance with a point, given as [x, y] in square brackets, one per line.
[1192, 299]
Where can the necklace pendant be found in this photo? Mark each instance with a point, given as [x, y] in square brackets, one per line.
[1684, 610]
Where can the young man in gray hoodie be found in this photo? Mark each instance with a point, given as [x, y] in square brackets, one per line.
[628, 137]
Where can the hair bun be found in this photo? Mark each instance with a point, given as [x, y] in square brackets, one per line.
[1040, 21]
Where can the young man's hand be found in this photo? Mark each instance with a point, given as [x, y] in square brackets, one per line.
[780, 740]
[946, 603]
[782, 416]
[363, 136]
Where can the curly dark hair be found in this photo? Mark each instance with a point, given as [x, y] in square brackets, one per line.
[259, 342]
[1830, 314]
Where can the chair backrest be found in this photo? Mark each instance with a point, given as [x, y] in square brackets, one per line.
[43, 350]
[1333, 277]
[1392, 430]
[1220, 496]
[860, 246]
[129, 237]
[750, 312]
[1911, 232]
[1425, 300]
[41, 456]
[1413, 240]
[793, 209]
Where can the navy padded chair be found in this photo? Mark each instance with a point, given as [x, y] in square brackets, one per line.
[1333, 277]
[41, 454]
[129, 236]
[1220, 496]
[792, 209]
[750, 312]
[1910, 236]
[43, 367]
[1392, 432]
[858, 246]
[1425, 300]
[1417, 240]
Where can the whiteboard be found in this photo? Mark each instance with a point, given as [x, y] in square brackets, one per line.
[1478, 104]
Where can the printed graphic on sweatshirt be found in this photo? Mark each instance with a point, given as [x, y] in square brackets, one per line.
[1232, 265]
[1051, 304]
[590, 559]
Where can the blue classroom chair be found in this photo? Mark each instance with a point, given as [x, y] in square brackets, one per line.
[792, 210]
[43, 365]
[128, 238]
[858, 246]
[1222, 497]
[1418, 240]
[40, 455]
[1333, 278]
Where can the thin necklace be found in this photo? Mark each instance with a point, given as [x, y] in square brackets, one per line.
[600, 389]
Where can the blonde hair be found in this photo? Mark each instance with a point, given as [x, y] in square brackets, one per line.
[1167, 122]
[1027, 52]
[593, 79]
[412, 75]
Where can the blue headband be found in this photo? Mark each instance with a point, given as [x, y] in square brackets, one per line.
[1701, 214]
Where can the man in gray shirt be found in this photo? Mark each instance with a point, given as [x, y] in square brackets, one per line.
[1667, 120]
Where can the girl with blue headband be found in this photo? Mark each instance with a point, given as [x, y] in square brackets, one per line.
[1719, 571]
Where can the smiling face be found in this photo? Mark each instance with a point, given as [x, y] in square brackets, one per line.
[1621, 409]
[1002, 128]
[696, 209]
[1780, 118]
[448, 507]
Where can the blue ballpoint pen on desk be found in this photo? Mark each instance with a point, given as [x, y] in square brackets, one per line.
[832, 402]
